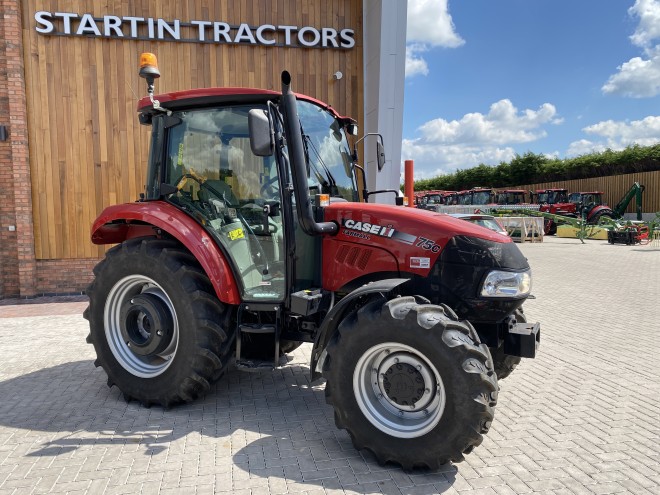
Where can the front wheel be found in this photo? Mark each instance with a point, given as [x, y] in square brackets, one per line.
[158, 329]
[410, 383]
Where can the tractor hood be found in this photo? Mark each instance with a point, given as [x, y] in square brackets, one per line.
[402, 240]
[446, 258]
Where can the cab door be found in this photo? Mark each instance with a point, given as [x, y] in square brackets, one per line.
[233, 193]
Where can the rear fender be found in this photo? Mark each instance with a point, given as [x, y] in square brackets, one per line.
[339, 312]
[118, 223]
[600, 210]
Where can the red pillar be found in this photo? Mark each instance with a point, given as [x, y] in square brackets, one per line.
[409, 183]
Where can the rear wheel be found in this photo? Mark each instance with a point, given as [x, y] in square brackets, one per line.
[158, 329]
[549, 227]
[602, 217]
[410, 383]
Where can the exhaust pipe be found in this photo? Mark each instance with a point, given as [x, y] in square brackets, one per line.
[294, 140]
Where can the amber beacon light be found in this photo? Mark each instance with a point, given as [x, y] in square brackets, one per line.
[149, 66]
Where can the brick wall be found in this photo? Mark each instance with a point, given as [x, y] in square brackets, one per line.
[10, 77]
[20, 273]
[70, 276]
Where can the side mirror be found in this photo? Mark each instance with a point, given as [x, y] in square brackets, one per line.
[262, 140]
[380, 152]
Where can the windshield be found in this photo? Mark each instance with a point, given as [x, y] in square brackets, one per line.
[330, 162]
[552, 197]
[511, 198]
[489, 223]
[481, 198]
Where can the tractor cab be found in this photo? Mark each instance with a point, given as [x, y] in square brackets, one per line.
[594, 198]
[551, 196]
[511, 197]
[210, 172]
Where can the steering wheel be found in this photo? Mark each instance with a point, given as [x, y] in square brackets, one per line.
[202, 184]
[269, 189]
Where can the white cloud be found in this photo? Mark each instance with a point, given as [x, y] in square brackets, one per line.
[429, 25]
[432, 161]
[616, 135]
[584, 147]
[648, 29]
[503, 124]
[429, 22]
[639, 77]
[445, 146]
[415, 64]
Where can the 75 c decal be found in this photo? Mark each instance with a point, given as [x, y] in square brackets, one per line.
[427, 244]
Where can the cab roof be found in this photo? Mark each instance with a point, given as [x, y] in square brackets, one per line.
[208, 96]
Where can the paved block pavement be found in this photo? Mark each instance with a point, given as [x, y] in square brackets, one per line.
[582, 418]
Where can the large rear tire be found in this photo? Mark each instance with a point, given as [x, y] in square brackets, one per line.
[410, 382]
[602, 217]
[549, 227]
[158, 329]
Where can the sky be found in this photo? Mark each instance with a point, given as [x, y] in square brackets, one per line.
[486, 80]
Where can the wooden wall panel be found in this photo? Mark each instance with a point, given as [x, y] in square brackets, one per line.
[87, 150]
[614, 187]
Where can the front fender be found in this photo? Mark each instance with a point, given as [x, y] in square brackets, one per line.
[337, 314]
[117, 223]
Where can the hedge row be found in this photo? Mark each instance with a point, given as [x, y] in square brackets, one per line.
[531, 168]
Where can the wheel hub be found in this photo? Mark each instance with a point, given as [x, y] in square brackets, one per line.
[399, 390]
[146, 324]
[404, 384]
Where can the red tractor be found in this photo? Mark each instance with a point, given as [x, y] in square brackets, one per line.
[511, 197]
[554, 201]
[477, 196]
[250, 239]
[590, 205]
[428, 200]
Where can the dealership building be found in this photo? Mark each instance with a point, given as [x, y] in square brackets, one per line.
[70, 140]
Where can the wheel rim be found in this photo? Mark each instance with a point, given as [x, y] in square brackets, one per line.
[399, 390]
[141, 326]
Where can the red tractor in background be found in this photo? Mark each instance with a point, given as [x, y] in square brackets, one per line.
[428, 200]
[511, 197]
[250, 239]
[553, 201]
[477, 196]
[591, 206]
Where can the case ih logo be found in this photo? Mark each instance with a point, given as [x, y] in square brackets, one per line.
[369, 228]
[366, 229]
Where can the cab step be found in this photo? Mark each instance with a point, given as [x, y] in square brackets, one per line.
[258, 328]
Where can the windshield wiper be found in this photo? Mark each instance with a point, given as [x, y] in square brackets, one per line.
[331, 182]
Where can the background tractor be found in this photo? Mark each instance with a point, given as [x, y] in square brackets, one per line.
[250, 238]
[554, 201]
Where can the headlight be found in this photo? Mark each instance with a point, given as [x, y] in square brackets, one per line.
[507, 284]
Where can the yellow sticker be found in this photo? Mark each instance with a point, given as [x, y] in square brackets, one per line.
[179, 161]
[236, 234]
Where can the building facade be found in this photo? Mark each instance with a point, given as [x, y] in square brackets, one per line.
[70, 140]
